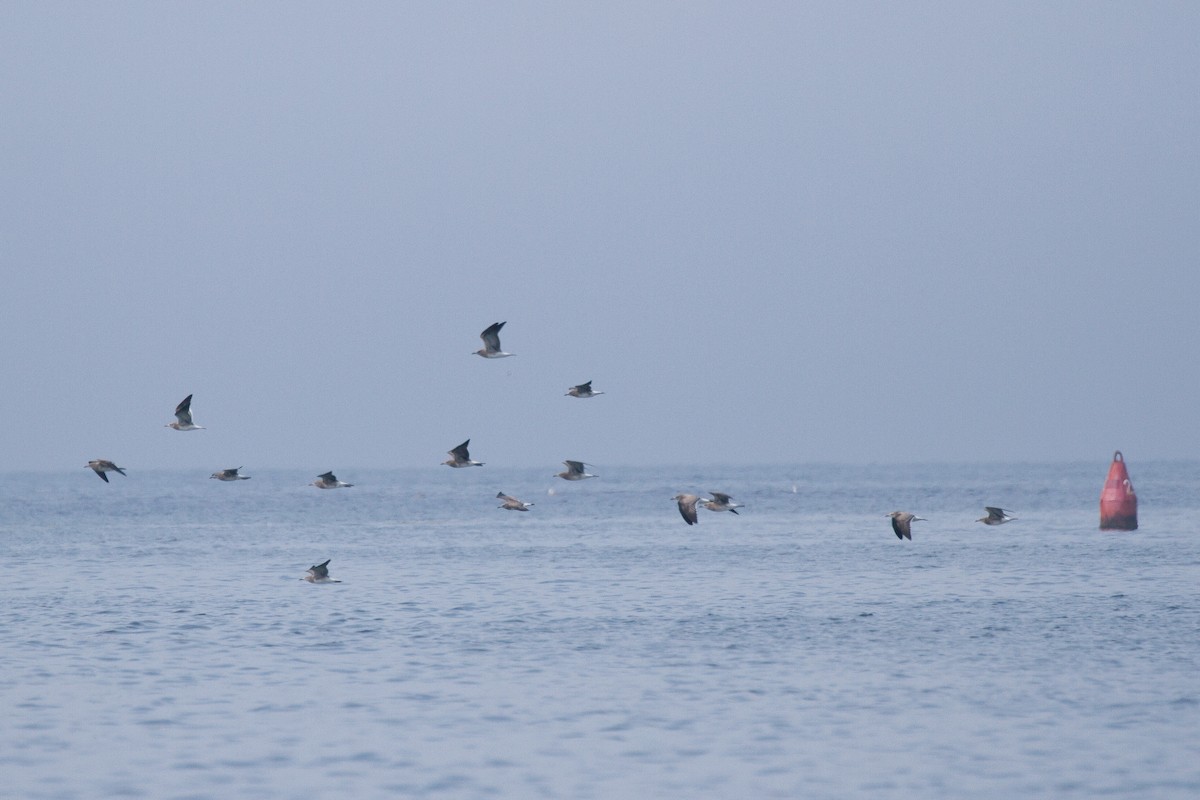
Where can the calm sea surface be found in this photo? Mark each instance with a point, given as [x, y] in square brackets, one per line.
[158, 643]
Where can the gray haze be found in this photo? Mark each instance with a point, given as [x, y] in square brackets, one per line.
[782, 232]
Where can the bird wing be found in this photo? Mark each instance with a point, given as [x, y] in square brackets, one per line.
[687, 509]
[721, 498]
[183, 411]
[328, 476]
[901, 528]
[491, 336]
[460, 453]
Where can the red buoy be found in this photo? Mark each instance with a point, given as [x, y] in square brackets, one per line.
[1118, 501]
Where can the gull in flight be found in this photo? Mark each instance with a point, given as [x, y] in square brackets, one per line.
[902, 523]
[512, 503]
[687, 507]
[491, 342]
[582, 390]
[229, 475]
[100, 466]
[995, 516]
[721, 502]
[183, 417]
[330, 481]
[459, 457]
[574, 471]
[319, 573]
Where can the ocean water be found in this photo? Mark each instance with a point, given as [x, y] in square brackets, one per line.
[159, 643]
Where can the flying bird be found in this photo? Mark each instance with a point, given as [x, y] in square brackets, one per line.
[687, 507]
[721, 502]
[183, 417]
[459, 457]
[329, 481]
[319, 573]
[101, 466]
[902, 523]
[229, 475]
[512, 503]
[582, 390]
[574, 471]
[995, 516]
[491, 342]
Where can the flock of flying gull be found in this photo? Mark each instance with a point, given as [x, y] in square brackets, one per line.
[461, 457]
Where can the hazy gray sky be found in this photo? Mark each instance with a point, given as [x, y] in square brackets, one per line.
[769, 231]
